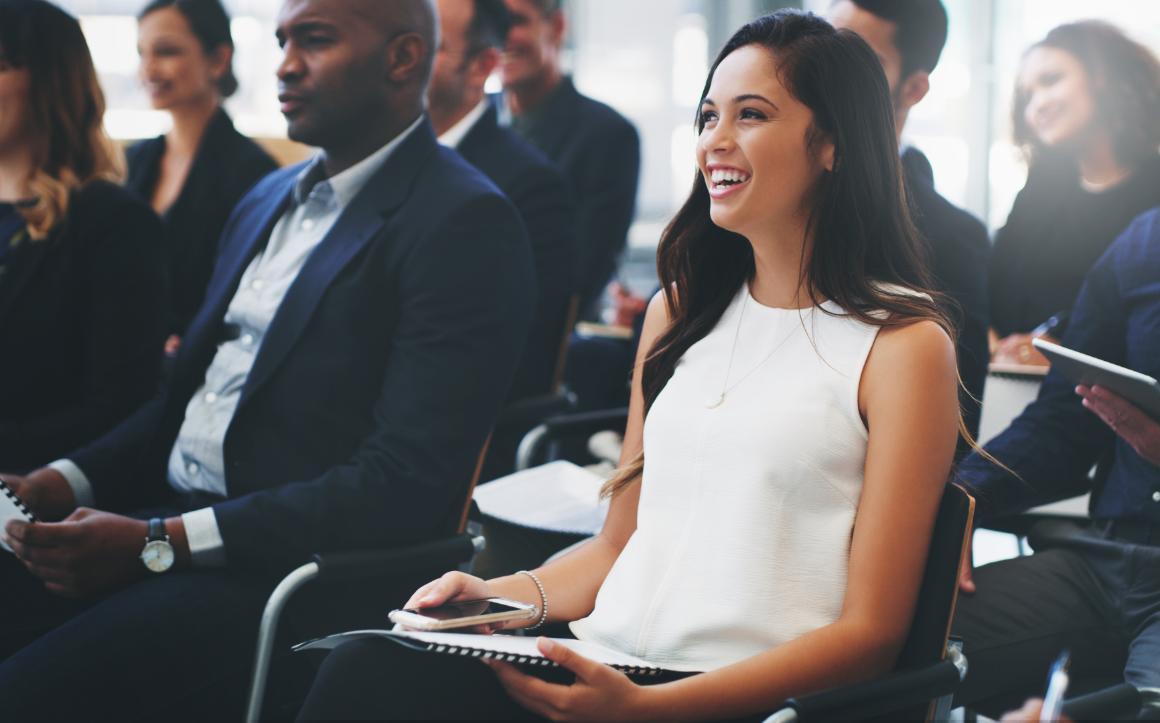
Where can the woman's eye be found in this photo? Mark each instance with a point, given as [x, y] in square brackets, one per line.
[708, 116]
[751, 114]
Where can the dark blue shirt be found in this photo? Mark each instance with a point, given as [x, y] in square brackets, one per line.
[1054, 443]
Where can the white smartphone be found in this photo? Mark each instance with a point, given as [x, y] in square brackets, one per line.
[464, 614]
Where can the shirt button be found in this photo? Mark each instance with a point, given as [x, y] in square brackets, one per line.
[307, 224]
[1156, 496]
[257, 284]
[193, 468]
[247, 339]
[210, 397]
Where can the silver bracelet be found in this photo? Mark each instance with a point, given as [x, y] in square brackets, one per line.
[543, 599]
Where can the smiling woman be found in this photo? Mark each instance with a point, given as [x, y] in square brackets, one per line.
[1087, 114]
[792, 375]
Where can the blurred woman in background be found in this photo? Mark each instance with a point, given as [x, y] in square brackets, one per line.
[81, 266]
[194, 175]
[1087, 114]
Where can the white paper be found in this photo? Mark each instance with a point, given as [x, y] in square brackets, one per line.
[558, 496]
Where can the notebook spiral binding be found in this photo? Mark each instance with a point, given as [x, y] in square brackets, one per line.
[19, 503]
[522, 659]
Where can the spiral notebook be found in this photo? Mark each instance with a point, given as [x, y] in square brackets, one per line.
[11, 508]
[508, 648]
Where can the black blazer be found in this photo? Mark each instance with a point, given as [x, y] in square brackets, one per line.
[957, 250]
[80, 326]
[599, 152]
[227, 165]
[541, 196]
[378, 380]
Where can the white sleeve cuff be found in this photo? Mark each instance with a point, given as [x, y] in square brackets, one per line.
[81, 487]
[206, 547]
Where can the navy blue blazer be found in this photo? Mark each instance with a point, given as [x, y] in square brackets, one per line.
[378, 380]
[599, 152]
[541, 195]
[1055, 441]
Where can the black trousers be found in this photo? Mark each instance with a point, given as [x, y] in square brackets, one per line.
[383, 680]
[1088, 590]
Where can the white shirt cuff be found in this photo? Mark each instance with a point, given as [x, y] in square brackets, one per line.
[81, 487]
[206, 547]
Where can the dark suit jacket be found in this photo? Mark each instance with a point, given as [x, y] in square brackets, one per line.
[80, 327]
[378, 380]
[227, 165]
[599, 152]
[957, 251]
[541, 196]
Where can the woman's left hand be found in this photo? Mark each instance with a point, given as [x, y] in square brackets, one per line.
[599, 693]
[1134, 426]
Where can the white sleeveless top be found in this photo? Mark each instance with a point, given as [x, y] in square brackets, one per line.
[746, 508]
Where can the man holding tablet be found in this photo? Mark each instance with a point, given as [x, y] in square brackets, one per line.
[1094, 589]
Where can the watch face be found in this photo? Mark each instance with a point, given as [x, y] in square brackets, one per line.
[157, 556]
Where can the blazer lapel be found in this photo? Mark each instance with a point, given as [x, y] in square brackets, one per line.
[359, 222]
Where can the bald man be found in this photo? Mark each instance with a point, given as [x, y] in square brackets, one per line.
[358, 336]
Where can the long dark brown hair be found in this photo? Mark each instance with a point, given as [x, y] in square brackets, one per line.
[65, 104]
[864, 254]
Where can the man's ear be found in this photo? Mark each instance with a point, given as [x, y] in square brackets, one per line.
[559, 26]
[913, 89]
[405, 56]
[482, 66]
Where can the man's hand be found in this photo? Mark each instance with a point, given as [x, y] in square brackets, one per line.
[1017, 349]
[88, 553]
[46, 492]
[1134, 426]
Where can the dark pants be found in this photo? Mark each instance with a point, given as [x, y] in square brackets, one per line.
[383, 680]
[1093, 591]
[177, 645]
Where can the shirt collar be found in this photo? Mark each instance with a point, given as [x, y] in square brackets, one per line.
[454, 135]
[347, 184]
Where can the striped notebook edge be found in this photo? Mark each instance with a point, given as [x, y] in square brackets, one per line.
[482, 650]
[16, 501]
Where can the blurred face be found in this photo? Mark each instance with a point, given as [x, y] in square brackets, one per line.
[175, 70]
[752, 151]
[878, 34]
[449, 75]
[332, 81]
[532, 44]
[1060, 108]
[15, 127]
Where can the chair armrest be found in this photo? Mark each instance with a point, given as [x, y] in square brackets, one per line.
[555, 429]
[588, 423]
[530, 411]
[897, 691]
[445, 554]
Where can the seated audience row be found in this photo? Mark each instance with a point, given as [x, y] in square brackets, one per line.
[343, 343]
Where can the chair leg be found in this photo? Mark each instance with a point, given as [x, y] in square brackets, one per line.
[268, 629]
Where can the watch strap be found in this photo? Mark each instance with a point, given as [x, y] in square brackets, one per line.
[156, 530]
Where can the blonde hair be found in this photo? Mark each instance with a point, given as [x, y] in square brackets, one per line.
[66, 109]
